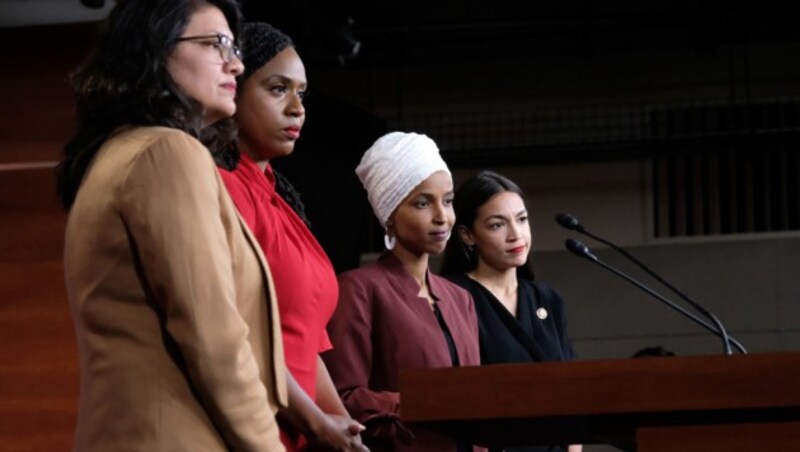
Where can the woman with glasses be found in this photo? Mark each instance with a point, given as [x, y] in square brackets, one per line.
[172, 300]
[271, 115]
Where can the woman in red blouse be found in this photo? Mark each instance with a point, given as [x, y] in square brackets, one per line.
[395, 314]
[270, 114]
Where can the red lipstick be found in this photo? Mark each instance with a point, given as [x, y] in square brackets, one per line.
[292, 132]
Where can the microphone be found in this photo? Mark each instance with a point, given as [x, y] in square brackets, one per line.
[581, 250]
[570, 222]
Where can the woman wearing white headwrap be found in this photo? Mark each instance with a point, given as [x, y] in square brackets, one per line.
[395, 314]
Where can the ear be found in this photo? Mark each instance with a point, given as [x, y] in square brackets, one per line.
[466, 235]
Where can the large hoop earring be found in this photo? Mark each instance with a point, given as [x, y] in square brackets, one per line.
[389, 242]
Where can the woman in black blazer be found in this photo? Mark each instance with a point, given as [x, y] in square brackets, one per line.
[519, 320]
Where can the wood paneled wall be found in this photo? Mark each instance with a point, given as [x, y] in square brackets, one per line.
[38, 354]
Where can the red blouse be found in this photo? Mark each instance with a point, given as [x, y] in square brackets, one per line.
[305, 280]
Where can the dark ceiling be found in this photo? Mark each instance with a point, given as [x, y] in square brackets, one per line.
[420, 31]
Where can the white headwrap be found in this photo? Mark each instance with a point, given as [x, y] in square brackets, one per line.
[393, 166]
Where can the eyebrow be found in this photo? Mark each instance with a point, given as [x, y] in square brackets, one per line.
[433, 195]
[503, 217]
[284, 79]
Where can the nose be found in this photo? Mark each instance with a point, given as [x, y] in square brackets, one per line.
[441, 214]
[295, 107]
[235, 67]
[513, 231]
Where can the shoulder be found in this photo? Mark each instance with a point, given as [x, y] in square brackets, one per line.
[461, 280]
[155, 135]
[164, 139]
[246, 173]
[376, 278]
[168, 158]
[361, 287]
[238, 188]
[547, 294]
[362, 276]
[536, 285]
[170, 146]
[451, 289]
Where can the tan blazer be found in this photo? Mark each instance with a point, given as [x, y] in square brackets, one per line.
[173, 305]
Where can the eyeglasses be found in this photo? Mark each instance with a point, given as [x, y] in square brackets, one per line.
[227, 49]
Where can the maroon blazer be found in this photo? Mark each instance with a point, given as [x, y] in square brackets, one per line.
[381, 327]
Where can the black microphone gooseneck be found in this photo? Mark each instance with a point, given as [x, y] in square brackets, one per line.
[570, 222]
[581, 250]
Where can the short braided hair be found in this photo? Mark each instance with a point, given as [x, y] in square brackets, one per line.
[260, 43]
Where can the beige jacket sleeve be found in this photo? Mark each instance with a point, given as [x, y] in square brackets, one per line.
[171, 200]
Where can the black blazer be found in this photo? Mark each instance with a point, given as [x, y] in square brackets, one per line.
[526, 338]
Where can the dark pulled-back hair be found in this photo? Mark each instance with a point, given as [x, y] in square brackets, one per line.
[125, 80]
[469, 197]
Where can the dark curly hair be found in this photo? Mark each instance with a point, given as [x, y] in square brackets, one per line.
[468, 198]
[125, 81]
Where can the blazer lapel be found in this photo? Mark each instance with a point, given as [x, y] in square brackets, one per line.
[277, 341]
[511, 323]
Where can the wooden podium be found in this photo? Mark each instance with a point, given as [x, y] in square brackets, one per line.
[697, 403]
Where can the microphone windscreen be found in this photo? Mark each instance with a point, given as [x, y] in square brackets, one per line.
[579, 249]
[568, 221]
[576, 247]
